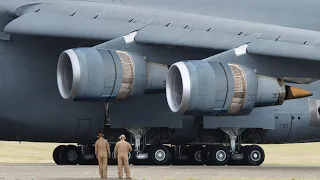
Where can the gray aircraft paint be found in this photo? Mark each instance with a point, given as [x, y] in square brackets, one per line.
[30, 97]
[31, 106]
[276, 42]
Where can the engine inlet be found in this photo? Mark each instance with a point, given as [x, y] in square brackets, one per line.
[178, 87]
[68, 74]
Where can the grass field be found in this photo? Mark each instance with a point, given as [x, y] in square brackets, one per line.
[282, 154]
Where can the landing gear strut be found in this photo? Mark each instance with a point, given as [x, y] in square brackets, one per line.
[137, 135]
[243, 155]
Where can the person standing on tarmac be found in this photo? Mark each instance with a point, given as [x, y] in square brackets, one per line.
[102, 151]
[121, 150]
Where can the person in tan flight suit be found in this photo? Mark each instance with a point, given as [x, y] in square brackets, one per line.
[102, 151]
[121, 150]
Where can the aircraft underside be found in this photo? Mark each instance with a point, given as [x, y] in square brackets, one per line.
[164, 138]
[198, 102]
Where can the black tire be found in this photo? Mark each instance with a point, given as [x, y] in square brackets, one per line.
[159, 155]
[254, 155]
[195, 155]
[243, 150]
[219, 156]
[55, 154]
[72, 154]
[181, 159]
[62, 156]
[205, 155]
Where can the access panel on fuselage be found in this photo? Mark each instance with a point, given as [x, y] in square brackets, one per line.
[305, 121]
[282, 128]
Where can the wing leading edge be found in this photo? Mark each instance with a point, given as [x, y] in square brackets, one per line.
[296, 44]
[77, 27]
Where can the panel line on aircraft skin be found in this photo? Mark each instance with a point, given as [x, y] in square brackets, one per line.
[116, 77]
[225, 100]
[291, 124]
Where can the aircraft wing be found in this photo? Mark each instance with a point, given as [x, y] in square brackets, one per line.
[102, 29]
[292, 45]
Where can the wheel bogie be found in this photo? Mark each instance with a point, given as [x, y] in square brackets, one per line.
[158, 154]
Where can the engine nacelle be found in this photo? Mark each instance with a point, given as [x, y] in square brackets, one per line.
[98, 74]
[214, 89]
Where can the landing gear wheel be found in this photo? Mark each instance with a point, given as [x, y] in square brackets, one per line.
[72, 154]
[205, 155]
[219, 155]
[254, 155]
[62, 156]
[159, 155]
[55, 154]
[195, 155]
[243, 150]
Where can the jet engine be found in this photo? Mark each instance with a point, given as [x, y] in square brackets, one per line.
[215, 89]
[93, 74]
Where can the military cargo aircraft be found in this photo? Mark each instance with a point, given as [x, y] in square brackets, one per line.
[198, 82]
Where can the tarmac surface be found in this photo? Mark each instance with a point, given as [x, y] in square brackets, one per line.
[52, 171]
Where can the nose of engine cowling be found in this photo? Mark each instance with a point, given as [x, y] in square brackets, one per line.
[68, 74]
[178, 87]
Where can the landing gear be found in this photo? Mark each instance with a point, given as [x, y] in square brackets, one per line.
[195, 155]
[253, 155]
[67, 155]
[159, 154]
[219, 156]
[138, 133]
[240, 155]
[56, 153]
[215, 152]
